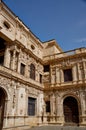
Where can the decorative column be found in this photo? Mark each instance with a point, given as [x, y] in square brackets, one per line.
[61, 76]
[83, 106]
[60, 113]
[7, 58]
[17, 99]
[36, 72]
[40, 108]
[53, 107]
[53, 76]
[13, 60]
[79, 72]
[5, 113]
[26, 70]
[18, 67]
[84, 69]
[26, 100]
[74, 69]
[53, 104]
[57, 76]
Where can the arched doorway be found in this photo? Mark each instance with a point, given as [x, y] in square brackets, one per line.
[71, 112]
[2, 106]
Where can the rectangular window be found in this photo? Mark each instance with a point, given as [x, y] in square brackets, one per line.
[31, 106]
[22, 69]
[40, 78]
[2, 50]
[1, 59]
[46, 68]
[47, 106]
[67, 75]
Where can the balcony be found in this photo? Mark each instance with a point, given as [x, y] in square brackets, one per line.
[4, 71]
[65, 54]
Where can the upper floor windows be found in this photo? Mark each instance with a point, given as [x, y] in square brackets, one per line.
[6, 24]
[22, 69]
[40, 78]
[47, 106]
[32, 71]
[2, 50]
[46, 68]
[67, 75]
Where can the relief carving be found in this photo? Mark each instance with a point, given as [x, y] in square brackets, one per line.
[66, 63]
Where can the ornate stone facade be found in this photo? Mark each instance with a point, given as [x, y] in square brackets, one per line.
[39, 83]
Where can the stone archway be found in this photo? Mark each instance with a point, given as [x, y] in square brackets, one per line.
[71, 111]
[2, 106]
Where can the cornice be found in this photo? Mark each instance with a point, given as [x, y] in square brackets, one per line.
[27, 51]
[59, 59]
[65, 87]
[15, 76]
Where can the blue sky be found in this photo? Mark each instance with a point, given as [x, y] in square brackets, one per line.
[62, 20]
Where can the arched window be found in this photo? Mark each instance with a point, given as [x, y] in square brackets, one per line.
[32, 71]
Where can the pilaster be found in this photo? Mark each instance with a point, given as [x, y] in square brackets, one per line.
[7, 58]
[74, 70]
[13, 60]
[57, 76]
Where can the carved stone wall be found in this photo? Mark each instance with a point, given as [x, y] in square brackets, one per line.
[22, 46]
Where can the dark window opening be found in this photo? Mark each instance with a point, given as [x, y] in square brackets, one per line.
[40, 78]
[1, 60]
[31, 106]
[32, 71]
[2, 50]
[47, 106]
[46, 68]
[6, 24]
[22, 69]
[67, 75]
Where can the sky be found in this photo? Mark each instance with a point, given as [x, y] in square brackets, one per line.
[62, 20]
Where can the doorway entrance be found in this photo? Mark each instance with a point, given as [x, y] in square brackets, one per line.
[2, 106]
[71, 113]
